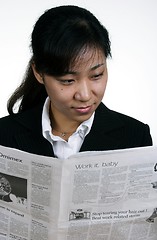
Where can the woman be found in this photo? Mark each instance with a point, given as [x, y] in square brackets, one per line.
[60, 111]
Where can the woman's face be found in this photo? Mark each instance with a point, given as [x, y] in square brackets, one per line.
[76, 95]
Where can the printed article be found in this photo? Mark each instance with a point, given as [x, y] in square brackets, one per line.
[106, 195]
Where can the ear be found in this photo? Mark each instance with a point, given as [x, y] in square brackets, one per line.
[37, 75]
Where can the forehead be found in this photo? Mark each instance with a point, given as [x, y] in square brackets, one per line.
[88, 58]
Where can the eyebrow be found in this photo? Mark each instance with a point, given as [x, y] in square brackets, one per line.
[91, 69]
[97, 66]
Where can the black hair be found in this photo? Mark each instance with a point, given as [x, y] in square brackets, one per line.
[58, 37]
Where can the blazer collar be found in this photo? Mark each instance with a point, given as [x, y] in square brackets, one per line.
[105, 120]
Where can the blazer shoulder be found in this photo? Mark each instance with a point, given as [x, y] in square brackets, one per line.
[118, 117]
[23, 121]
[23, 131]
[8, 129]
[8, 123]
[123, 126]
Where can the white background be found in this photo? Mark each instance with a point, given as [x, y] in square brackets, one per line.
[132, 25]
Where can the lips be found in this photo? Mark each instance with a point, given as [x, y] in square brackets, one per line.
[83, 109]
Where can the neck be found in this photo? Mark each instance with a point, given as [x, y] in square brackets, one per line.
[64, 135]
[61, 126]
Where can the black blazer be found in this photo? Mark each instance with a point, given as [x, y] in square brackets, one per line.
[110, 130]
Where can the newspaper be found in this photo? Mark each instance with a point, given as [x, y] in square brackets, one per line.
[106, 195]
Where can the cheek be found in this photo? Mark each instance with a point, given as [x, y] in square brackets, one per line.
[53, 91]
[59, 96]
[99, 89]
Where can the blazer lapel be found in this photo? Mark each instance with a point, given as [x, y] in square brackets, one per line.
[99, 138]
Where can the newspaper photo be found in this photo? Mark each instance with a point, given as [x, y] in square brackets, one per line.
[104, 195]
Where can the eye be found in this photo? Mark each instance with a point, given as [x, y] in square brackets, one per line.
[66, 81]
[97, 76]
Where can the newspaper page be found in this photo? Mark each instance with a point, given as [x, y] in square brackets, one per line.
[104, 195]
[29, 195]
[112, 195]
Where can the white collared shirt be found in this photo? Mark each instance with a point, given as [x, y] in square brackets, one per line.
[63, 149]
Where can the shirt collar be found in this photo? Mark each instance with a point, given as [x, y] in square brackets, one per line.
[83, 129]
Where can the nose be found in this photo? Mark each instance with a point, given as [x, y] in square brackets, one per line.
[83, 91]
